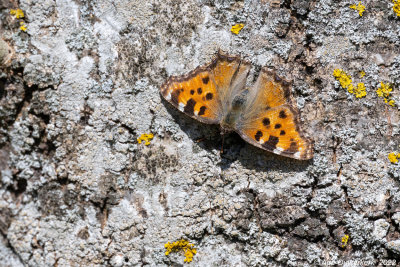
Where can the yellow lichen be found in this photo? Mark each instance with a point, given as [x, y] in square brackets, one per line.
[350, 88]
[391, 102]
[181, 245]
[237, 28]
[18, 13]
[343, 78]
[393, 157]
[360, 90]
[347, 83]
[385, 91]
[360, 8]
[396, 7]
[22, 26]
[345, 239]
[146, 138]
[362, 74]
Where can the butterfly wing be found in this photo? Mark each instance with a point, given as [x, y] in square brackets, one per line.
[204, 93]
[270, 120]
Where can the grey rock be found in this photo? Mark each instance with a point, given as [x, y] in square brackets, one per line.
[394, 246]
[381, 227]
[81, 85]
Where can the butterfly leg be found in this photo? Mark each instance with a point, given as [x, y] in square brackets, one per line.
[222, 145]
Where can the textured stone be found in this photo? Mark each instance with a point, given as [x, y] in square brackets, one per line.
[82, 84]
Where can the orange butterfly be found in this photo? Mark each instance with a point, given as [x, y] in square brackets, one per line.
[263, 115]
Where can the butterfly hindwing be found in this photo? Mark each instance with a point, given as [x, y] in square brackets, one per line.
[203, 93]
[270, 120]
[277, 130]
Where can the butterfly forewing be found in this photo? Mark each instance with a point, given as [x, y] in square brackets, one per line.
[194, 94]
[203, 93]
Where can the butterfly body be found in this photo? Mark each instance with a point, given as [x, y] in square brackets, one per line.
[232, 117]
[263, 115]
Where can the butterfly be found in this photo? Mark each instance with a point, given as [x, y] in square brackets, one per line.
[264, 115]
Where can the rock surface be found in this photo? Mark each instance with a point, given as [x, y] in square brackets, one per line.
[81, 84]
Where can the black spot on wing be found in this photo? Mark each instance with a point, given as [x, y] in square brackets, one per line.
[202, 110]
[209, 96]
[282, 132]
[271, 143]
[199, 91]
[277, 126]
[192, 92]
[206, 80]
[189, 108]
[282, 114]
[258, 135]
[266, 122]
[293, 148]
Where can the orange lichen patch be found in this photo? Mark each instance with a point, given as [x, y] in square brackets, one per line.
[146, 138]
[360, 8]
[181, 245]
[237, 28]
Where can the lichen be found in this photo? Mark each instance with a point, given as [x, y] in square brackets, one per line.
[393, 157]
[343, 78]
[360, 92]
[385, 91]
[181, 245]
[237, 28]
[345, 239]
[146, 138]
[360, 8]
[18, 13]
[347, 83]
[362, 74]
[396, 7]
[22, 26]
